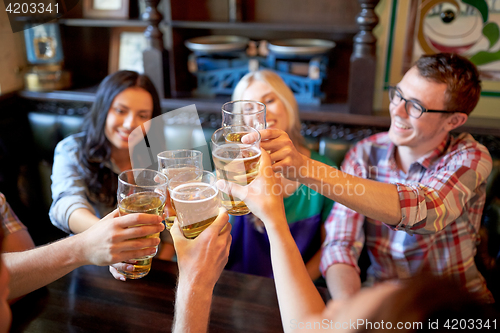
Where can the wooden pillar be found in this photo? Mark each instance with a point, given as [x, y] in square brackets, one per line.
[363, 61]
[154, 55]
[235, 12]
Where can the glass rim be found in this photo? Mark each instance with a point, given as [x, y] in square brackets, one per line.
[231, 126]
[176, 192]
[196, 154]
[203, 172]
[244, 101]
[134, 171]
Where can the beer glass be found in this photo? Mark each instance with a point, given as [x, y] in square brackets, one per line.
[235, 162]
[196, 201]
[245, 113]
[141, 191]
[174, 162]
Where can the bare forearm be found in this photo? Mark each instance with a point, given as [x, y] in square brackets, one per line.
[38, 267]
[376, 200]
[297, 295]
[343, 281]
[192, 308]
[81, 219]
[312, 266]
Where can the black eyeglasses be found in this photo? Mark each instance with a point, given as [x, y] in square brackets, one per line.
[413, 109]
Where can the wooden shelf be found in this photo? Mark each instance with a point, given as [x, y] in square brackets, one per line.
[352, 29]
[327, 113]
[103, 23]
[257, 26]
[58, 96]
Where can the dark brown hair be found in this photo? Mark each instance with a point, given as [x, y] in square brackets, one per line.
[96, 148]
[460, 75]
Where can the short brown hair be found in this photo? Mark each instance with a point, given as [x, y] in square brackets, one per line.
[460, 75]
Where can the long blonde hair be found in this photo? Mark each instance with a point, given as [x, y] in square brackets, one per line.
[279, 87]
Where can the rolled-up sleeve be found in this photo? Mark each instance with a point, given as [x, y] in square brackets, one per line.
[440, 198]
[8, 218]
[344, 238]
[344, 227]
[69, 191]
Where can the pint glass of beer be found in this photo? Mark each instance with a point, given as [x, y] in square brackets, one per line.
[245, 113]
[235, 162]
[141, 191]
[196, 201]
[174, 162]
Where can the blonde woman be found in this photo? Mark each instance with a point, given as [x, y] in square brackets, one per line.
[306, 210]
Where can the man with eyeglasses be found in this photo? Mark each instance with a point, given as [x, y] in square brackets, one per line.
[414, 195]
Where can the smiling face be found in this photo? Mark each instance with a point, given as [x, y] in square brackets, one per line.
[131, 108]
[276, 113]
[419, 136]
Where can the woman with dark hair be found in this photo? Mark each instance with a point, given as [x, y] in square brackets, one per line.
[87, 164]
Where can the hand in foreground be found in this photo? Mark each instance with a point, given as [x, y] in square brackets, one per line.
[115, 239]
[285, 158]
[264, 195]
[201, 260]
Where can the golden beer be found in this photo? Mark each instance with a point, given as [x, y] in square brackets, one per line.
[169, 220]
[194, 202]
[147, 203]
[193, 230]
[236, 163]
[235, 137]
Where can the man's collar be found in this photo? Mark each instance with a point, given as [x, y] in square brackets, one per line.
[428, 159]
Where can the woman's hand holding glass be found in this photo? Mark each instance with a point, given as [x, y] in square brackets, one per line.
[141, 191]
[115, 238]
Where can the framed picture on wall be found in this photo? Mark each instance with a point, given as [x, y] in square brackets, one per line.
[127, 45]
[106, 8]
[468, 28]
[43, 44]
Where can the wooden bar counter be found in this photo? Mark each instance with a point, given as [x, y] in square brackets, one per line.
[90, 300]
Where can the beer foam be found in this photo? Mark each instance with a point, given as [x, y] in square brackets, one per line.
[177, 191]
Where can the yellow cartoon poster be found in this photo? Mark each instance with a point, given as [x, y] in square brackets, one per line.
[467, 27]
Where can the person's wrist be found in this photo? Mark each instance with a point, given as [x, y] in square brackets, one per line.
[275, 222]
[195, 285]
[308, 172]
[78, 249]
[303, 167]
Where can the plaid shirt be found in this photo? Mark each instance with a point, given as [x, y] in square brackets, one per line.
[8, 218]
[441, 197]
